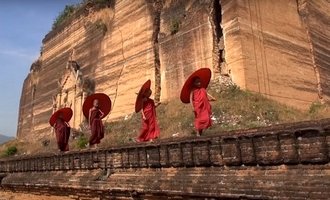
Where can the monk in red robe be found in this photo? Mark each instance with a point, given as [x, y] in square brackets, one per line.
[199, 99]
[150, 129]
[95, 123]
[62, 131]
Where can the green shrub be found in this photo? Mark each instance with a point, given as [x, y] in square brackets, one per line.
[70, 9]
[82, 142]
[11, 151]
[101, 2]
[315, 107]
[100, 25]
[64, 15]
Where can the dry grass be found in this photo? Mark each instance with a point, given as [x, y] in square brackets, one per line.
[234, 109]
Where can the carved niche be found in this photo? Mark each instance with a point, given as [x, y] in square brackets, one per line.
[70, 92]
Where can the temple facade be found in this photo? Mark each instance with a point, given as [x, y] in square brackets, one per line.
[275, 48]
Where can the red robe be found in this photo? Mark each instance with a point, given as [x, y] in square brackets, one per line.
[150, 129]
[62, 135]
[202, 108]
[97, 129]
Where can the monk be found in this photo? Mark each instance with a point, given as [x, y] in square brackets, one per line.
[62, 131]
[95, 123]
[199, 99]
[150, 129]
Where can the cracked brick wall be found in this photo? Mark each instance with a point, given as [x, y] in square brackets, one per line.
[285, 161]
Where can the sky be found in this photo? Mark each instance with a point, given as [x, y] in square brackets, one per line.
[23, 25]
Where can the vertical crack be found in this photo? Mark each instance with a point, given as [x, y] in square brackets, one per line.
[218, 46]
[121, 70]
[157, 8]
[303, 13]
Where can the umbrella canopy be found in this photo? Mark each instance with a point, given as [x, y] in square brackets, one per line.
[65, 113]
[139, 99]
[104, 103]
[204, 74]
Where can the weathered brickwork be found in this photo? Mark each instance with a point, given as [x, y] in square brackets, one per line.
[287, 161]
[275, 48]
[299, 147]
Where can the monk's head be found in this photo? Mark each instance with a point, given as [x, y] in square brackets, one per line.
[197, 82]
[148, 93]
[96, 103]
[60, 116]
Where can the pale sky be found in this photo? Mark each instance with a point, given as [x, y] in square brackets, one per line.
[23, 25]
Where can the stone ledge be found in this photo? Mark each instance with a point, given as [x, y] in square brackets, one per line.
[275, 182]
[300, 143]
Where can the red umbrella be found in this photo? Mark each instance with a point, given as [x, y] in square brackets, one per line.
[204, 74]
[138, 103]
[66, 115]
[104, 103]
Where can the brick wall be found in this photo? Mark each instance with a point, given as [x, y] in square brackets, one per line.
[282, 161]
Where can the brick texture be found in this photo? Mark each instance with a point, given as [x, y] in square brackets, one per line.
[290, 161]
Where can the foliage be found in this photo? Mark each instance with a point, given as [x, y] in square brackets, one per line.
[64, 15]
[82, 142]
[318, 110]
[174, 26]
[100, 3]
[122, 131]
[12, 150]
[69, 10]
[315, 107]
[100, 25]
[234, 109]
[96, 1]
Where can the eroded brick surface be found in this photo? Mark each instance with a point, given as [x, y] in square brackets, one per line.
[290, 162]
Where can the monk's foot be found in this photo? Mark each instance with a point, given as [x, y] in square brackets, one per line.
[151, 140]
[199, 133]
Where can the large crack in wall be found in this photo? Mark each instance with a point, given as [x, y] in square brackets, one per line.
[157, 8]
[218, 46]
[222, 74]
[303, 13]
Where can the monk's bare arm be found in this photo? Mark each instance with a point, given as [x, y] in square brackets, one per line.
[67, 124]
[157, 104]
[191, 100]
[211, 98]
[143, 116]
[102, 114]
[89, 117]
